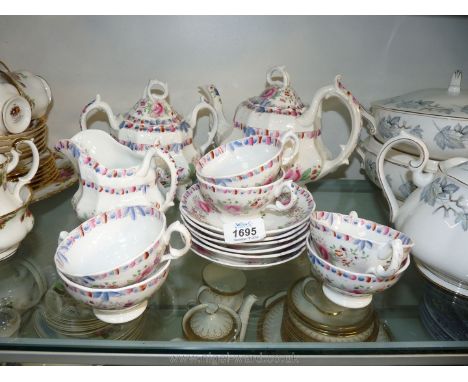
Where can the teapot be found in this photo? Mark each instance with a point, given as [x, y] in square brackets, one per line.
[112, 175]
[213, 322]
[153, 122]
[435, 215]
[277, 110]
[11, 196]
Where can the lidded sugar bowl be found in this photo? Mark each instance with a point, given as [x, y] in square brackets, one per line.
[153, 122]
[278, 109]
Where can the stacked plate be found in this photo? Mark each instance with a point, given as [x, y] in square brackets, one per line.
[61, 316]
[286, 232]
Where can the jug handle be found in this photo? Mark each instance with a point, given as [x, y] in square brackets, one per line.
[13, 160]
[339, 91]
[175, 253]
[98, 104]
[419, 178]
[26, 179]
[166, 157]
[192, 121]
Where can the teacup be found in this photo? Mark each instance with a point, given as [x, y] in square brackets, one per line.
[36, 89]
[247, 162]
[248, 201]
[118, 305]
[15, 110]
[359, 245]
[118, 247]
[350, 289]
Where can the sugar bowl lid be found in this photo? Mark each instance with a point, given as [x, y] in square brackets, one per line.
[211, 322]
[451, 102]
[278, 97]
[153, 109]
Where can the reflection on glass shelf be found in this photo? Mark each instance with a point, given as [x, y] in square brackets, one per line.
[413, 311]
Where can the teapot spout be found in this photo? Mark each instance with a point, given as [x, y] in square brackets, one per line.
[212, 96]
[244, 314]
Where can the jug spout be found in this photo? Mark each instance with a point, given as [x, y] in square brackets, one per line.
[212, 96]
[244, 314]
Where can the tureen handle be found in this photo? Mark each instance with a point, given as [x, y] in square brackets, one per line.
[284, 83]
[192, 121]
[167, 158]
[154, 96]
[175, 253]
[98, 104]
[313, 113]
[420, 179]
[26, 179]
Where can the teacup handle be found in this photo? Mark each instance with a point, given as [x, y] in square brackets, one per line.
[26, 179]
[277, 205]
[395, 264]
[98, 104]
[213, 128]
[175, 253]
[293, 138]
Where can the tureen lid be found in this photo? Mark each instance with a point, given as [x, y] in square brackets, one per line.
[279, 97]
[224, 280]
[211, 322]
[456, 168]
[153, 109]
[451, 102]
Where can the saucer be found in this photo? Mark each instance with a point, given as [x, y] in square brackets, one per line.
[67, 177]
[219, 238]
[245, 265]
[197, 210]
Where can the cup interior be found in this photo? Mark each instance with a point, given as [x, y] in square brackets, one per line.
[108, 246]
[239, 156]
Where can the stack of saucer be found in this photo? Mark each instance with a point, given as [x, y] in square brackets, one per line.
[305, 314]
[240, 181]
[285, 233]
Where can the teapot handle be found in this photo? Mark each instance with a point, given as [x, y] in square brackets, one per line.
[98, 104]
[420, 179]
[13, 160]
[153, 84]
[192, 121]
[339, 91]
[175, 253]
[26, 179]
[166, 157]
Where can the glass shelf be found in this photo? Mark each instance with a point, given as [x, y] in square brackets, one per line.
[161, 339]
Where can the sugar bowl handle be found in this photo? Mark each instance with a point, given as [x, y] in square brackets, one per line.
[175, 253]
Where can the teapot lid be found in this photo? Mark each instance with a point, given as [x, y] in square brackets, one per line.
[279, 97]
[153, 110]
[211, 322]
[456, 168]
[451, 102]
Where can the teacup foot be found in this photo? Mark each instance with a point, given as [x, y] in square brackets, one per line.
[121, 316]
[355, 301]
